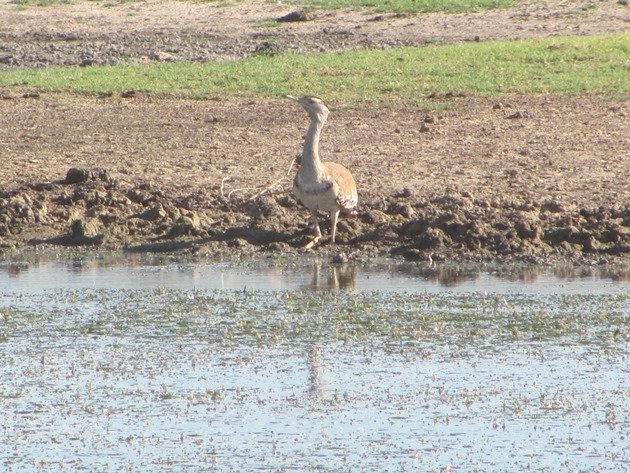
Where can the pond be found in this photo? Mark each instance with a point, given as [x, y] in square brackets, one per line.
[152, 363]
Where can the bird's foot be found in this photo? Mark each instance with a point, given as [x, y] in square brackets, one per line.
[312, 243]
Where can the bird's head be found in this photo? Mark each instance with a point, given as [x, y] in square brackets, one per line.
[313, 105]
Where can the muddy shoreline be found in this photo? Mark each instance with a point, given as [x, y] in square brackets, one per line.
[114, 215]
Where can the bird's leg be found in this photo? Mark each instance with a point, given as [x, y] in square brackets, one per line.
[318, 232]
[334, 215]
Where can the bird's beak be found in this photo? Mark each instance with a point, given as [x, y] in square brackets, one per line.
[291, 97]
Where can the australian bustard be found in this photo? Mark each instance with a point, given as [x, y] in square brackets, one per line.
[324, 186]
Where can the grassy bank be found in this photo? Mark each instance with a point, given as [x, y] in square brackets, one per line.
[567, 65]
[410, 6]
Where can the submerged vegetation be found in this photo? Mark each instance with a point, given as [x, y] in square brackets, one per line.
[568, 65]
[228, 379]
[389, 319]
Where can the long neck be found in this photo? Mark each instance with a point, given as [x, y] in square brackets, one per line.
[310, 155]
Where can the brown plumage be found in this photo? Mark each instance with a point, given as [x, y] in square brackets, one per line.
[324, 186]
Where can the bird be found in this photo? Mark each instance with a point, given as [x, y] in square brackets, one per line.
[318, 185]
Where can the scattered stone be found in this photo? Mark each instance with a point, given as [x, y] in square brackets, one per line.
[80, 175]
[519, 114]
[446, 95]
[156, 212]
[263, 207]
[339, 258]
[267, 48]
[76, 176]
[430, 239]
[403, 209]
[278, 247]
[552, 206]
[31, 95]
[82, 233]
[297, 15]
[403, 193]
[374, 217]
[162, 56]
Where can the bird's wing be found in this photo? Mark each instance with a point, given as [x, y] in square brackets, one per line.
[347, 197]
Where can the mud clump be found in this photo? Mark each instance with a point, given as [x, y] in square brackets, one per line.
[90, 208]
[79, 175]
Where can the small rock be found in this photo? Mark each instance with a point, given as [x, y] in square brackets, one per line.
[162, 56]
[82, 232]
[154, 213]
[374, 217]
[431, 238]
[297, 15]
[340, 258]
[278, 246]
[519, 114]
[267, 48]
[552, 206]
[84, 229]
[238, 243]
[77, 175]
[403, 193]
[140, 196]
[31, 95]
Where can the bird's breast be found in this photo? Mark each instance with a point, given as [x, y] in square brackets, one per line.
[316, 196]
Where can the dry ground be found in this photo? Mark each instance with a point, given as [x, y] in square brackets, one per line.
[110, 32]
[468, 182]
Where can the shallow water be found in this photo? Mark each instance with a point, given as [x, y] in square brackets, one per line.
[113, 364]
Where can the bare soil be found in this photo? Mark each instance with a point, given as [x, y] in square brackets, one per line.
[536, 179]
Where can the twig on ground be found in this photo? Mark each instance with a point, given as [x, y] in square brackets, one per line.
[223, 181]
[266, 190]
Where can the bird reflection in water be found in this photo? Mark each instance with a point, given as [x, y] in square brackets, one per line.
[332, 277]
[341, 277]
[317, 385]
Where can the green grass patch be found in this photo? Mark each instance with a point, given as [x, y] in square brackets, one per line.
[409, 6]
[568, 65]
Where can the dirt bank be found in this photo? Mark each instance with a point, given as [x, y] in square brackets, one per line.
[471, 182]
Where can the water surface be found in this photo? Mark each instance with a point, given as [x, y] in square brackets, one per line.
[113, 364]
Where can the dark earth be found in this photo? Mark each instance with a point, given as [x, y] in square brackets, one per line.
[535, 179]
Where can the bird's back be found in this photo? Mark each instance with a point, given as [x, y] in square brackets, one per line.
[344, 183]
